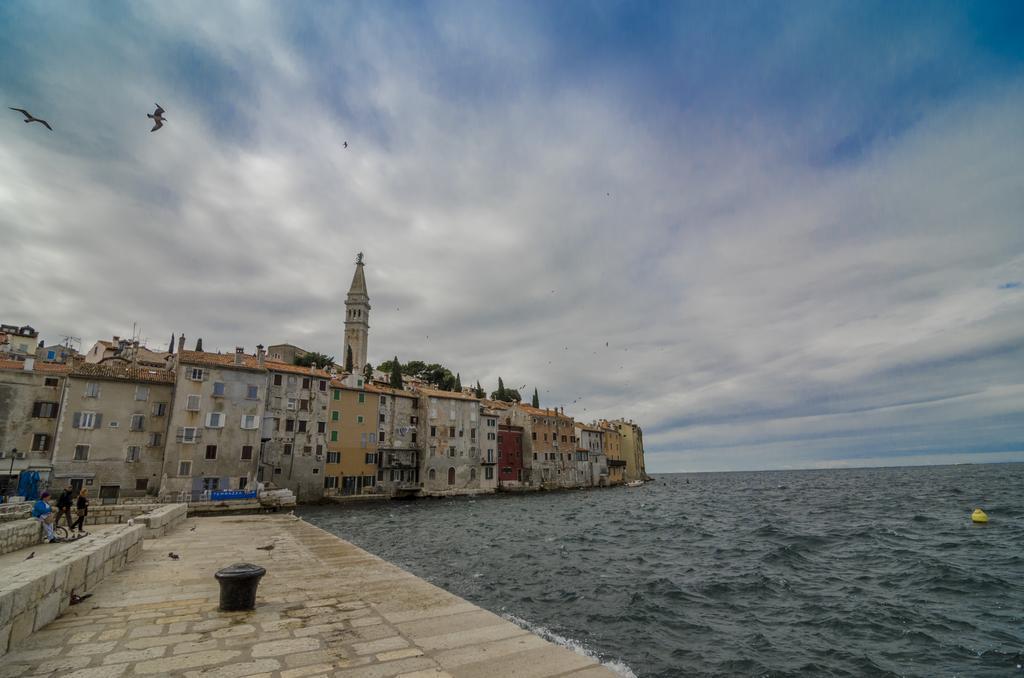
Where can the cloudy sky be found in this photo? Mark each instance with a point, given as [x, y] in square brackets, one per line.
[781, 235]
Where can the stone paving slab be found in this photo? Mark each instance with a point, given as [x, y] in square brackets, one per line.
[324, 608]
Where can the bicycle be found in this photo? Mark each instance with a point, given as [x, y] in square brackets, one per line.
[64, 534]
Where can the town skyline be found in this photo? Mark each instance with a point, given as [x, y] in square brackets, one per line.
[794, 226]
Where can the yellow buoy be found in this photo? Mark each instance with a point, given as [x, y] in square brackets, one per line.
[979, 516]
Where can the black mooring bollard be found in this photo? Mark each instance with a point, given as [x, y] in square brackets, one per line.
[238, 584]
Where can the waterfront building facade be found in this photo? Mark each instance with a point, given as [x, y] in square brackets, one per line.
[398, 440]
[512, 473]
[31, 396]
[351, 466]
[294, 438]
[214, 436]
[613, 453]
[451, 462]
[549, 443]
[632, 449]
[112, 430]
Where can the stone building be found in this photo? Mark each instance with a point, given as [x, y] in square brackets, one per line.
[31, 394]
[632, 449]
[285, 353]
[112, 430]
[214, 438]
[613, 452]
[351, 465]
[452, 425]
[489, 448]
[549, 442]
[398, 440]
[590, 447]
[357, 321]
[18, 342]
[295, 428]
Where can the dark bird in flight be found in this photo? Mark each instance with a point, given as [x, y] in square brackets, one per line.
[193, 529]
[606, 343]
[31, 118]
[31, 556]
[158, 118]
[268, 547]
[345, 145]
[173, 556]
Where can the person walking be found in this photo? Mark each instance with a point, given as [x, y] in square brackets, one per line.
[43, 512]
[82, 510]
[64, 506]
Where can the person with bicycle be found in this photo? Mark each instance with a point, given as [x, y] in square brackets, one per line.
[64, 506]
[43, 512]
[82, 509]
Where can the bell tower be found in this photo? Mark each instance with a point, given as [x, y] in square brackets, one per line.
[357, 320]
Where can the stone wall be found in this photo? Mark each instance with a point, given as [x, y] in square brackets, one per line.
[32, 598]
[18, 534]
[15, 511]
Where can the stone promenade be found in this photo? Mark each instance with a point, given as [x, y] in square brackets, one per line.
[325, 608]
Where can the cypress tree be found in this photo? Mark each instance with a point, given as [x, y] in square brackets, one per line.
[536, 399]
[199, 344]
[348, 360]
[171, 348]
[396, 374]
[458, 383]
[368, 373]
[479, 391]
[501, 390]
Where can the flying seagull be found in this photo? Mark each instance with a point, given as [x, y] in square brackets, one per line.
[345, 145]
[268, 547]
[158, 118]
[31, 118]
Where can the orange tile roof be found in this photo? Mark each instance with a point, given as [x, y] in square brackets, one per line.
[279, 366]
[249, 362]
[585, 427]
[121, 373]
[51, 368]
[376, 388]
[450, 395]
[540, 412]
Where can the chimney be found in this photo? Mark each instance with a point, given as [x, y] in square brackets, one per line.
[181, 343]
[239, 352]
[116, 339]
[29, 364]
[261, 355]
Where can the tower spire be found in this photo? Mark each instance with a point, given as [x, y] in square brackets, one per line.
[357, 318]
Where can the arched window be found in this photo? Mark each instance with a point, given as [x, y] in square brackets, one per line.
[451, 475]
[432, 474]
[472, 474]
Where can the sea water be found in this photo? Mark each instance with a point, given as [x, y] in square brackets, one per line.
[866, 572]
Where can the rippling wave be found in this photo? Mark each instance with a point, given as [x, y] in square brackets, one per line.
[869, 572]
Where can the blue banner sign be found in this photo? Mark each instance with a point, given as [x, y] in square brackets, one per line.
[220, 495]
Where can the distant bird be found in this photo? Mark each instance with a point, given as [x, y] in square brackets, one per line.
[608, 194]
[193, 529]
[173, 556]
[523, 386]
[268, 547]
[31, 556]
[131, 521]
[158, 118]
[345, 145]
[31, 118]
[606, 344]
[76, 599]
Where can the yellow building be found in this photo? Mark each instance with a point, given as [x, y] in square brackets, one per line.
[613, 450]
[632, 449]
[352, 430]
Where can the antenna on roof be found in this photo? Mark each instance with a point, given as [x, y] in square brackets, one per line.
[69, 340]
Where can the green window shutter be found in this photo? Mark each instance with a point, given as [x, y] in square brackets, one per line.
[334, 415]
[362, 397]
[337, 394]
[334, 436]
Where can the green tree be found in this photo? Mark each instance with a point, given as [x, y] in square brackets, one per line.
[479, 391]
[536, 399]
[396, 373]
[314, 359]
[199, 344]
[348, 359]
[458, 383]
[368, 373]
[413, 368]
